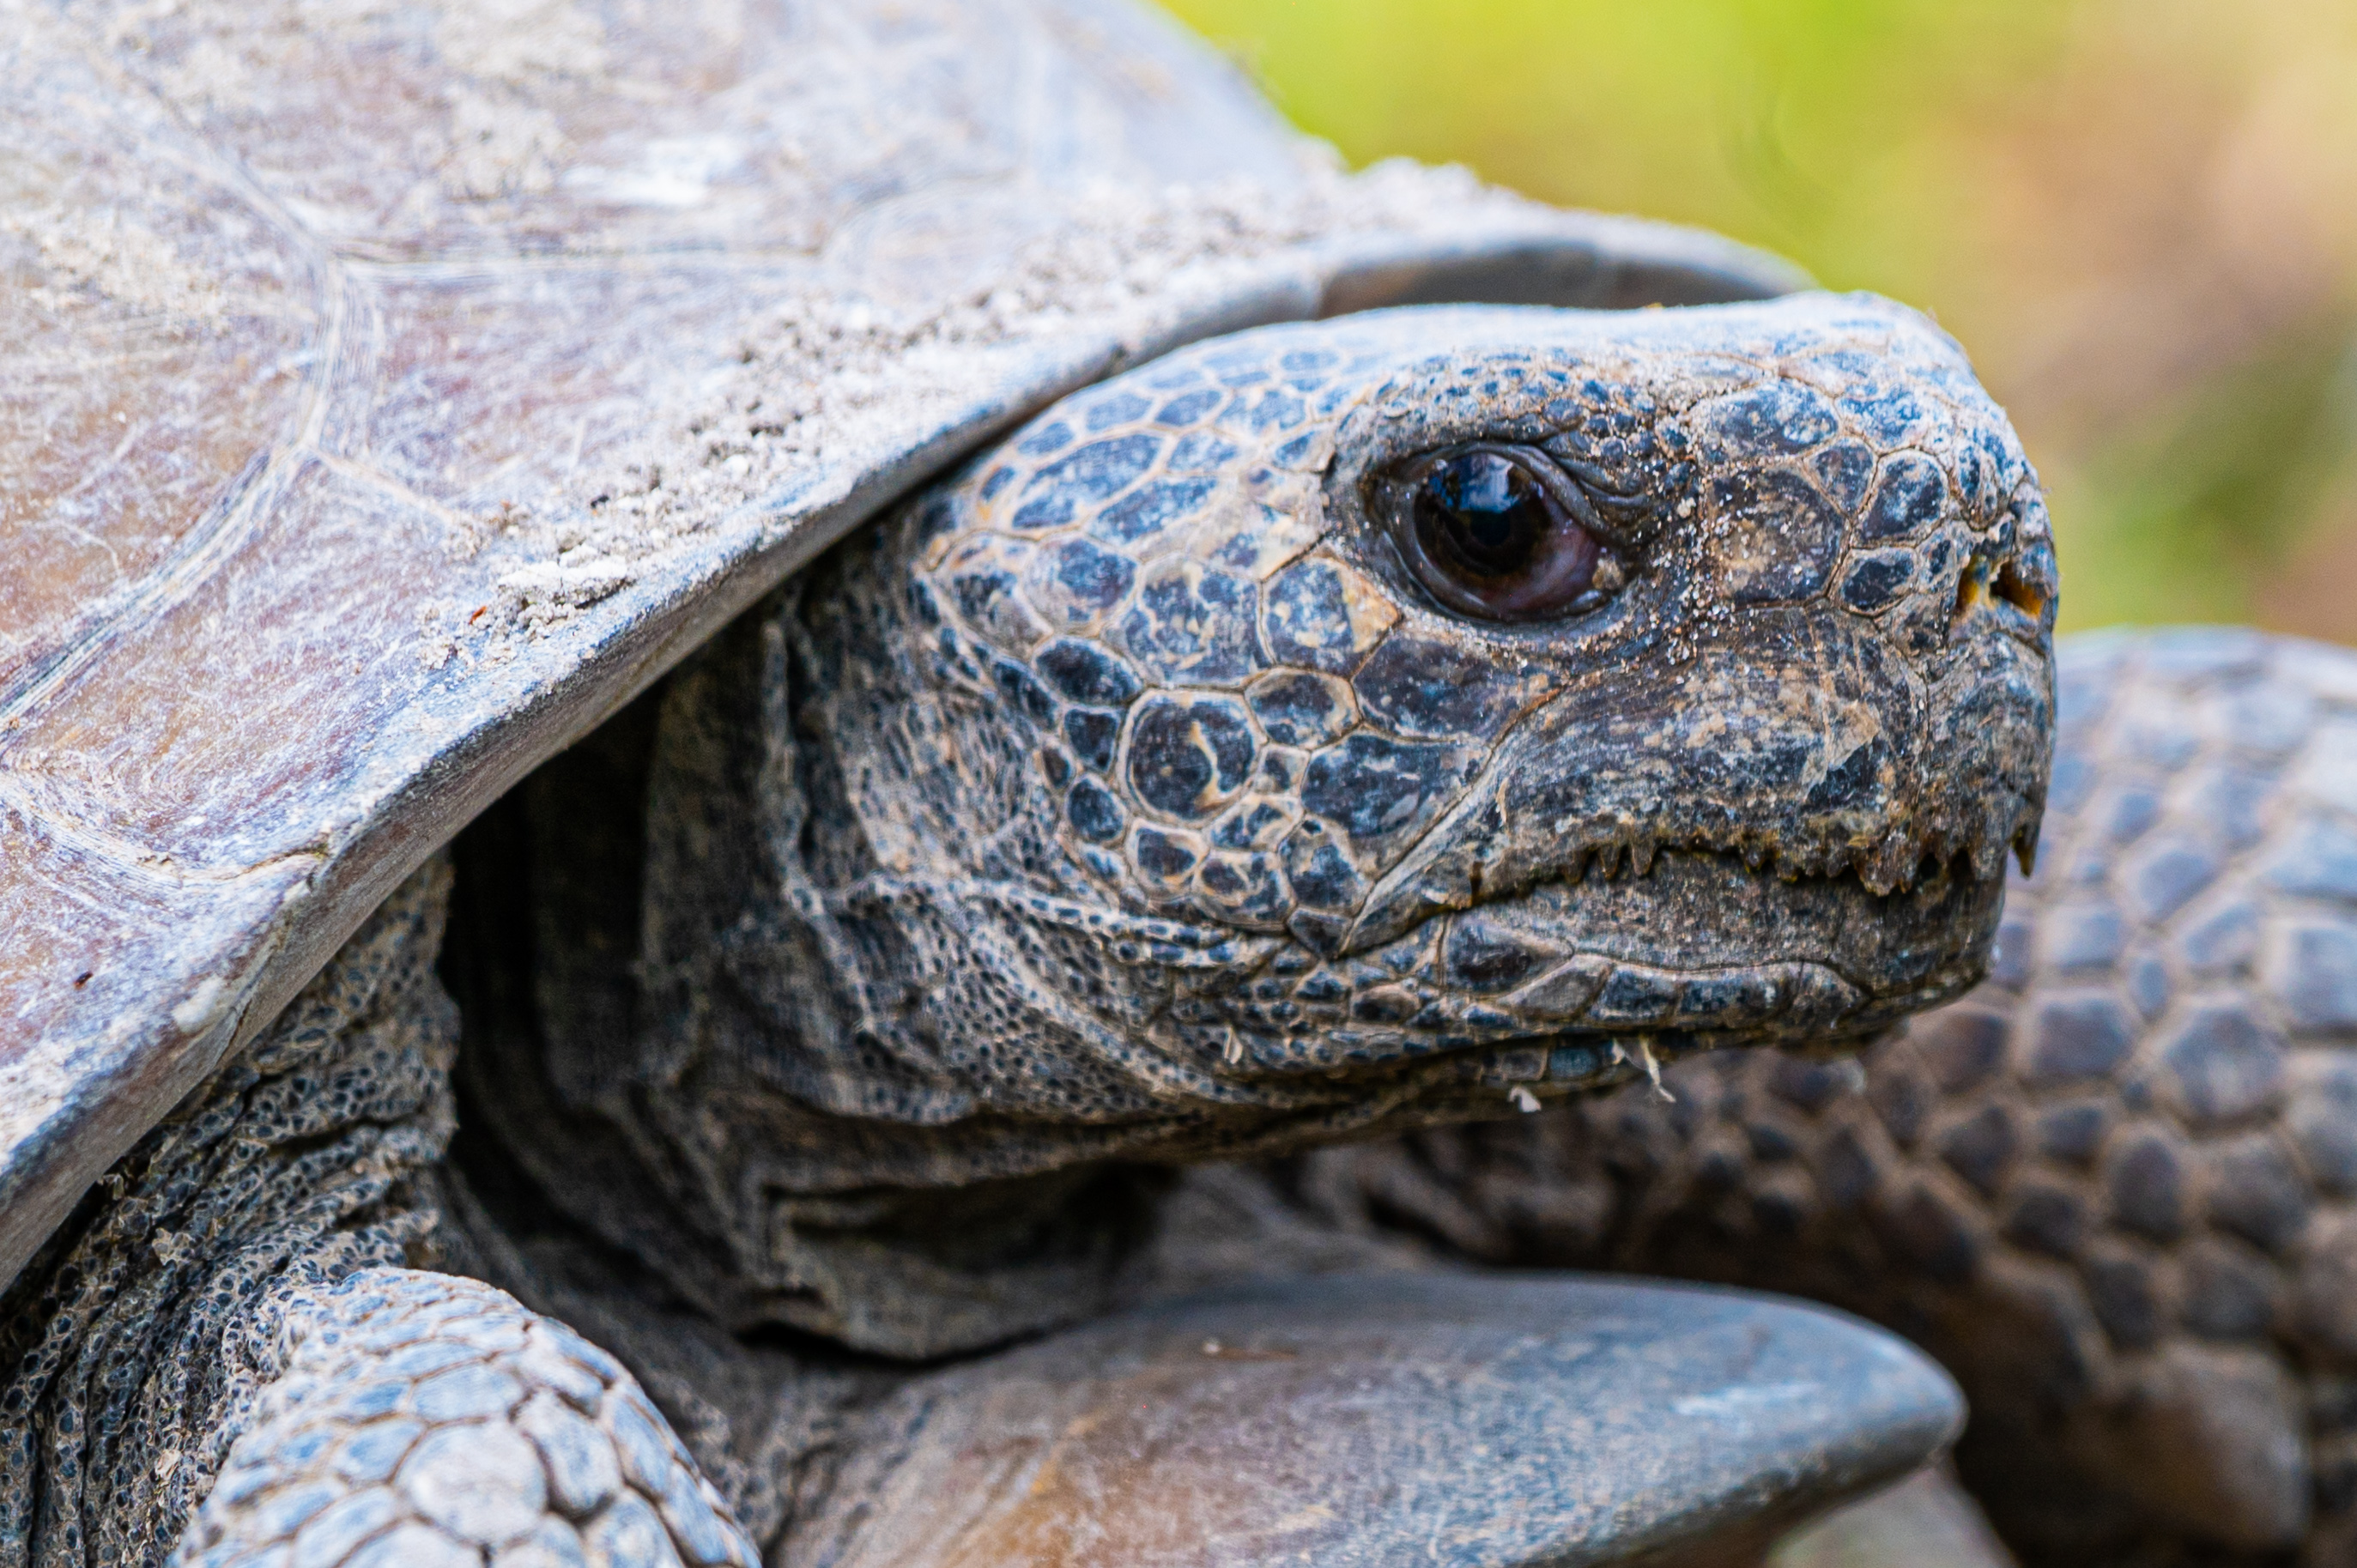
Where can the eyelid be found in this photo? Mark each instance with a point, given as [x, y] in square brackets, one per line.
[1616, 516]
[1574, 485]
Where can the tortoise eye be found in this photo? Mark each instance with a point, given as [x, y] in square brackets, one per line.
[1496, 531]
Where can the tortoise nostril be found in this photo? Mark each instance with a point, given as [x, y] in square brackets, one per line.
[1984, 582]
[2019, 591]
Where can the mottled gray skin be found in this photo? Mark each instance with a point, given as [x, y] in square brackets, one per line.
[1125, 801]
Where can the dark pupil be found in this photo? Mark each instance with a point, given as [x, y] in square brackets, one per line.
[1482, 513]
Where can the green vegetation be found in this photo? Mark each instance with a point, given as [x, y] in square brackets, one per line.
[2136, 214]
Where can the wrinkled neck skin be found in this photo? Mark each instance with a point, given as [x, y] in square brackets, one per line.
[1132, 798]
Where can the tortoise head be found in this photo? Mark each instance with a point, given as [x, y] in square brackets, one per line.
[1356, 719]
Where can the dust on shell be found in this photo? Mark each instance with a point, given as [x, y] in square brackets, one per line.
[829, 385]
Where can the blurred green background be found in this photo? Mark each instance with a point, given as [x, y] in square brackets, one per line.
[2140, 216]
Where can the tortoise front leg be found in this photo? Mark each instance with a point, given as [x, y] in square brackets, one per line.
[425, 1419]
[225, 1352]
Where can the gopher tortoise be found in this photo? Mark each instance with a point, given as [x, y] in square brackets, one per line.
[729, 740]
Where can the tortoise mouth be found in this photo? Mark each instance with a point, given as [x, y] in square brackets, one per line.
[1581, 981]
[1702, 942]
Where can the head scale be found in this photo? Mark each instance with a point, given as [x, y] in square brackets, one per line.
[1344, 724]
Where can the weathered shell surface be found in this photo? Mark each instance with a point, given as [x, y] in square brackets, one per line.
[388, 391]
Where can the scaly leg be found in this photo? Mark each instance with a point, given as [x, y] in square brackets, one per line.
[221, 1359]
[425, 1419]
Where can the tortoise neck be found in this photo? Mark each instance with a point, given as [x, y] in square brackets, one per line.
[688, 1081]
